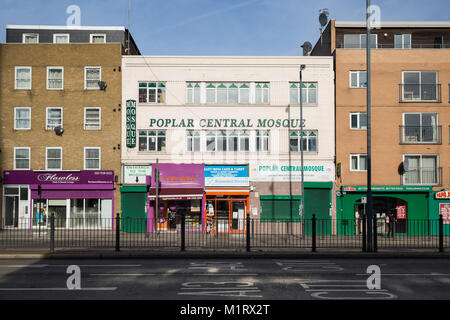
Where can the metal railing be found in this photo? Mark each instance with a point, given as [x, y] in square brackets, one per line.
[392, 46]
[423, 176]
[243, 234]
[419, 92]
[420, 134]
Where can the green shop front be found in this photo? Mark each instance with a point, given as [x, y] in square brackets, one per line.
[407, 206]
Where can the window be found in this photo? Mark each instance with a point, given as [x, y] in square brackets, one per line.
[262, 140]
[402, 41]
[30, 38]
[92, 118]
[54, 118]
[358, 162]
[420, 86]
[22, 158]
[420, 127]
[53, 158]
[55, 78]
[193, 141]
[98, 38]
[227, 93]
[262, 93]
[23, 78]
[358, 41]
[358, 79]
[358, 120]
[22, 118]
[92, 75]
[309, 141]
[152, 140]
[309, 93]
[152, 92]
[92, 158]
[422, 169]
[61, 38]
[193, 92]
[222, 140]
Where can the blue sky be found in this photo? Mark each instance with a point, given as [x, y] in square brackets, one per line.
[212, 27]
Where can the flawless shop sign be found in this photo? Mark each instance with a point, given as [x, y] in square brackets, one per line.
[59, 177]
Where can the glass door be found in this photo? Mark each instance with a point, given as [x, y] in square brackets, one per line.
[223, 215]
[237, 216]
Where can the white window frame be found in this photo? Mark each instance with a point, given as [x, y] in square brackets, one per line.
[193, 137]
[419, 84]
[28, 34]
[358, 122]
[192, 90]
[15, 77]
[99, 127]
[59, 35]
[358, 155]
[85, 77]
[306, 94]
[420, 126]
[15, 118]
[62, 79]
[46, 118]
[357, 72]
[261, 140]
[306, 138]
[99, 158]
[361, 44]
[29, 158]
[92, 35]
[157, 136]
[46, 158]
[262, 93]
[421, 155]
[403, 40]
[147, 89]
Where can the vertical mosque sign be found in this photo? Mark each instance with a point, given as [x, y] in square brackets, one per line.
[131, 123]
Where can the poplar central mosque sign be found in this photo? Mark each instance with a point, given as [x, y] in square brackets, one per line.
[225, 123]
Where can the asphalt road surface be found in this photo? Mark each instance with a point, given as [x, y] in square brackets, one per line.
[226, 279]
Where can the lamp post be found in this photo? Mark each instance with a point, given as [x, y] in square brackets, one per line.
[302, 201]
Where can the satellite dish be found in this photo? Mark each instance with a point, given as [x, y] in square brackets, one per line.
[307, 47]
[323, 17]
[102, 85]
[59, 131]
[403, 167]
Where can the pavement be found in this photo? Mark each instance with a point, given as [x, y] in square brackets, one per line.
[221, 254]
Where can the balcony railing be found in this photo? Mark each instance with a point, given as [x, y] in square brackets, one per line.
[419, 92]
[392, 46]
[420, 134]
[423, 176]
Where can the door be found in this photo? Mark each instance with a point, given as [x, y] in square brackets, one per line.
[60, 215]
[223, 215]
[12, 211]
[317, 201]
[237, 216]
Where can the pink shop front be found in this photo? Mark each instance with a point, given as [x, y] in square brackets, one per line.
[78, 199]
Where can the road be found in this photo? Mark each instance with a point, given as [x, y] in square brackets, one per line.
[226, 279]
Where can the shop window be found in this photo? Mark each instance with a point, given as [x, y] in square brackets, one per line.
[152, 140]
[152, 92]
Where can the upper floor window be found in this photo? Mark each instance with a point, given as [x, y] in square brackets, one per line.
[98, 38]
[227, 140]
[193, 92]
[193, 139]
[420, 86]
[22, 118]
[92, 76]
[358, 41]
[262, 140]
[358, 120]
[152, 140]
[30, 38]
[227, 92]
[61, 38]
[309, 141]
[22, 158]
[262, 93]
[309, 93]
[92, 118]
[92, 158]
[152, 92]
[53, 158]
[420, 128]
[22, 78]
[55, 78]
[358, 79]
[402, 41]
[358, 162]
[54, 118]
[422, 169]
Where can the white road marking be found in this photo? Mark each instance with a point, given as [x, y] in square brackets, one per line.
[58, 289]
[124, 274]
[410, 274]
[225, 274]
[99, 265]
[24, 266]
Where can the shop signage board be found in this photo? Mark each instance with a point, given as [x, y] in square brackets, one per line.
[226, 176]
[225, 123]
[444, 211]
[314, 171]
[401, 212]
[387, 188]
[136, 174]
[179, 175]
[59, 177]
[131, 123]
[442, 195]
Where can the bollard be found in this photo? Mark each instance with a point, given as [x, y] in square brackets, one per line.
[183, 232]
[248, 232]
[313, 223]
[117, 232]
[441, 233]
[52, 232]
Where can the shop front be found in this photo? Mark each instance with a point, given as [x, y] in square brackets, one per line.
[78, 199]
[176, 190]
[440, 206]
[407, 206]
[227, 198]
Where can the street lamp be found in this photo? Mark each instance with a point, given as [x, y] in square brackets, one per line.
[302, 201]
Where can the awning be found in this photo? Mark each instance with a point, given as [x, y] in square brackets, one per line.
[177, 193]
